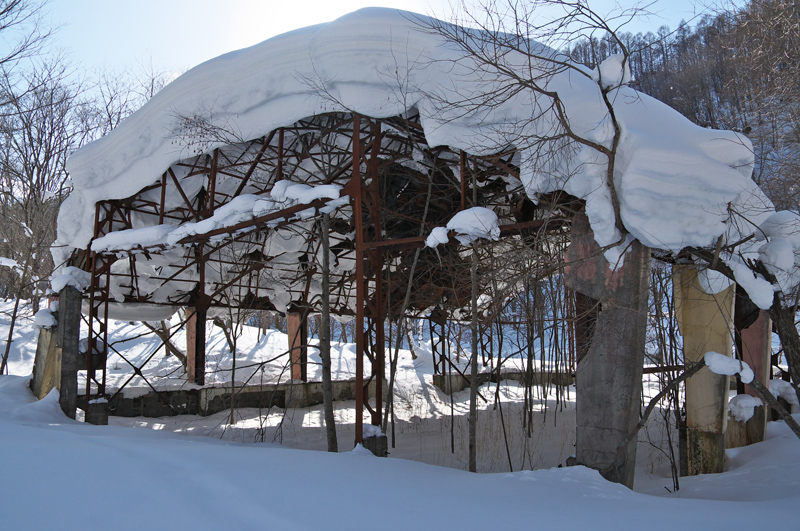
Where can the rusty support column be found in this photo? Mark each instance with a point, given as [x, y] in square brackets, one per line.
[196, 327]
[377, 309]
[369, 310]
[96, 407]
[297, 328]
[191, 341]
[196, 345]
[462, 164]
[361, 295]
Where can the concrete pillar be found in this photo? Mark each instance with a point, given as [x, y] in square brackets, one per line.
[297, 327]
[609, 372]
[68, 338]
[706, 324]
[96, 412]
[377, 444]
[196, 345]
[47, 364]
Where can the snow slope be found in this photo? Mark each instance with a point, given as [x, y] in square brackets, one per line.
[63, 474]
[59, 473]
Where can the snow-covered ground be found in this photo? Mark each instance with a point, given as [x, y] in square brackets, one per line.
[58, 473]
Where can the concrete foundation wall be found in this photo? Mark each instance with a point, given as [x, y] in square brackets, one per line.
[208, 401]
[453, 383]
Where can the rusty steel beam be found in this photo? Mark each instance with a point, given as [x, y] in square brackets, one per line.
[255, 164]
[183, 195]
[361, 295]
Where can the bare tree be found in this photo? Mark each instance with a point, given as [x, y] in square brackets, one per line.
[43, 121]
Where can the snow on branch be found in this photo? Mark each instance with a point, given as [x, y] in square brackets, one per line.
[727, 366]
[469, 225]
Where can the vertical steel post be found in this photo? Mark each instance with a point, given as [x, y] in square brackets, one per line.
[361, 295]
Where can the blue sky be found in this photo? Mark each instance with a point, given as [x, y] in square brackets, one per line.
[178, 34]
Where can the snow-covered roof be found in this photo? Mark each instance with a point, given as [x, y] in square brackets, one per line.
[677, 182]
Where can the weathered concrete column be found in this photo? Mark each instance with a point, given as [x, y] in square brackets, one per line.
[47, 364]
[706, 324]
[68, 338]
[609, 372]
[297, 328]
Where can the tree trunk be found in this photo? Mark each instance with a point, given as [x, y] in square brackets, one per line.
[325, 340]
[4, 364]
[473, 386]
[169, 346]
[790, 340]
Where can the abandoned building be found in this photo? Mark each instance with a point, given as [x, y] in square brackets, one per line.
[211, 198]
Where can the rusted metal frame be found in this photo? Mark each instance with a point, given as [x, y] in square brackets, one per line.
[462, 162]
[163, 202]
[378, 357]
[497, 161]
[361, 295]
[336, 126]
[304, 153]
[183, 195]
[192, 261]
[279, 168]
[201, 305]
[322, 161]
[104, 224]
[246, 271]
[97, 327]
[255, 222]
[486, 340]
[513, 229]
[134, 276]
[254, 165]
[137, 371]
[212, 185]
[97, 351]
[406, 122]
[117, 210]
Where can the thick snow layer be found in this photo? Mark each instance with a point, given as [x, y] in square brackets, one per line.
[783, 224]
[474, 223]
[677, 183]
[70, 276]
[727, 366]
[713, 282]
[437, 236]
[612, 73]
[8, 262]
[777, 254]
[44, 318]
[743, 407]
[761, 292]
[145, 473]
[784, 390]
[241, 208]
